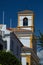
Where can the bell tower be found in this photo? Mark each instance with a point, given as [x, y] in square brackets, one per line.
[24, 32]
[26, 27]
[26, 20]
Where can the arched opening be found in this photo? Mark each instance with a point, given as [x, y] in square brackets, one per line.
[25, 21]
[1, 47]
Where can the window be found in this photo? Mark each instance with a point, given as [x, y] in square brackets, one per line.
[25, 22]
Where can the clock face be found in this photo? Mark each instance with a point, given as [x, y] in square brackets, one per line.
[25, 20]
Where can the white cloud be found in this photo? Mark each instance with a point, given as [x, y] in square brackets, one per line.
[40, 55]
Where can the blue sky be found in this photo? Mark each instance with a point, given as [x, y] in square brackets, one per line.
[12, 7]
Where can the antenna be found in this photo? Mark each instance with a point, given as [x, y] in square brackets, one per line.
[3, 17]
[10, 22]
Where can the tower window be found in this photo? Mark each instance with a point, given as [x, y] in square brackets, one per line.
[25, 21]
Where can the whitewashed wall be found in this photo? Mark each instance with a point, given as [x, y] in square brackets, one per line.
[27, 28]
[23, 60]
[2, 27]
[8, 42]
[25, 41]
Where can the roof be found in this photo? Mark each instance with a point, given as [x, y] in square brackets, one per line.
[21, 30]
[12, 33]
[24, 48]
[18, 30]
[10, 29]
[26, 12]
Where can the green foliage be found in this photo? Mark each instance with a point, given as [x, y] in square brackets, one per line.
[41, 40]
[0, 64]
[6, 58]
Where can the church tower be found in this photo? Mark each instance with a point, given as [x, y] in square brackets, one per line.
[26, 25]
[25, 33]
[26, 20]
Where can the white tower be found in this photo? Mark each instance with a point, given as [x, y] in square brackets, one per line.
[26, 24]
[24, 32]
[25, 20]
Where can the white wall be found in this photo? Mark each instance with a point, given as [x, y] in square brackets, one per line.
[8, 42]
[7, 38]
[23, 60]
[25, 41]
[27, 28]
[3, 27]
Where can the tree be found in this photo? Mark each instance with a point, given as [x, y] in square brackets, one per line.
[41, 40]
[6, 58]
[39, 64]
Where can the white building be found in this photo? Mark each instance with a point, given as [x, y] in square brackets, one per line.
[10, 41]
[3, 32]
